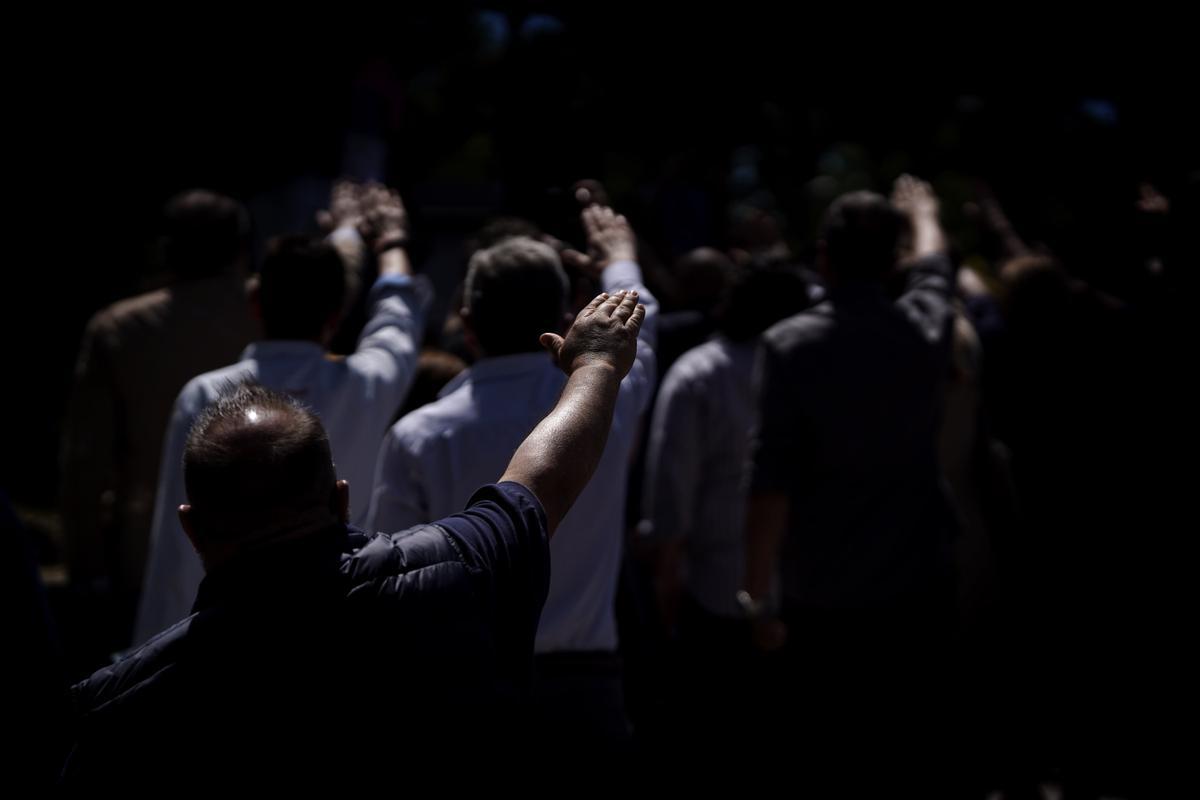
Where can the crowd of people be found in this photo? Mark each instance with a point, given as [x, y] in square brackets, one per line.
[860, 516]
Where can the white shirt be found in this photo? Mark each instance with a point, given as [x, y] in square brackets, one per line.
[696, 466]
[434, 458]
[355, 397]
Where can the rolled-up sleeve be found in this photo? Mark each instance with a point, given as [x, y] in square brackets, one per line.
[390, 342]
[639, 383]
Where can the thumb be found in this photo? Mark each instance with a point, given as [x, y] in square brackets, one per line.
[553, 344]
[577, 261]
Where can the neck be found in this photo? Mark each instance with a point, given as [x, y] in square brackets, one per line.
[251, 541]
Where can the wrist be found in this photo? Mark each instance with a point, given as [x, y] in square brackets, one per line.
[389, 241]
[614, 257]
[592, 364]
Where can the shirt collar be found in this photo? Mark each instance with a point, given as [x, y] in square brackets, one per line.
[282, 347]
[499, 367]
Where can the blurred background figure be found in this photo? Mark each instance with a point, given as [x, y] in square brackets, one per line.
[695, 505]
[135, 357]
[431, 459]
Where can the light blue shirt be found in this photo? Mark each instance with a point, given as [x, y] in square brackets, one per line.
[697, 463]
[355, 397]
[436, 457]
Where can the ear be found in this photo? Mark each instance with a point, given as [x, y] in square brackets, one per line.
[187, 518]
[331, 327]
[469, 337]
[254, 297]
[341, 499]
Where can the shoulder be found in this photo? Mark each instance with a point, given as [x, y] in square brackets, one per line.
[207, 386]
[432, 422]
[700, 362]
[798, 329]
[377, 556]
[126, 315]
[135, 671]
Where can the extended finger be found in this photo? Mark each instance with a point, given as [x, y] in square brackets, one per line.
[592, 306]
[609, 306]
[634, 323]
[624, 309]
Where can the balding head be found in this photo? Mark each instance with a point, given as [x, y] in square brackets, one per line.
[258, 467]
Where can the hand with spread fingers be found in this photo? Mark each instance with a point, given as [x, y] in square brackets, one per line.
[915, 199]
[610, 237]
[605, 332]
[384, 218]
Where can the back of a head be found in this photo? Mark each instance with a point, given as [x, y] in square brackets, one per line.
[257, 459]
[205, 232]
[704, 276]
[861, 233]
[515, 291]
[302, 283]
[761, 296]
[1037, 293]
[499, 229]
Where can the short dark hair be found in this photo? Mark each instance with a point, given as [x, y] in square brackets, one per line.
[515, 291]
[205, 232]
[302, 284]
[862, 233]
[762, 294]
[704, 277]
[252, 457]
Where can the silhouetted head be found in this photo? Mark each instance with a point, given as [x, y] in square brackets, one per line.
[762, 295]
[860, 238]
[301, 287]
[204, 234]
[1037, 293]
[704, 276]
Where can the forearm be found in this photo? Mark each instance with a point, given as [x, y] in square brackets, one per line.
[394, 261]
[928, 237]
[389, 344]
[558, 458]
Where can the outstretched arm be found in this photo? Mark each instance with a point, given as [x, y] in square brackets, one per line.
[558, 458]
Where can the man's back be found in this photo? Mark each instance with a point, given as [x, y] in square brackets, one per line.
[850, 416]
[355, 398]
[318, 652]
[695, 466]
[436, 455]
[433, 458]
[328, 648]
[136, 356]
